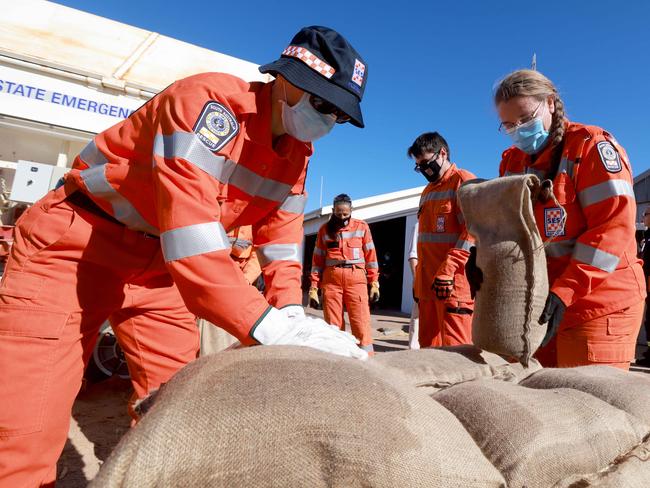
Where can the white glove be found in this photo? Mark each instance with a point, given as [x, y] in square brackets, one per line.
[277, 329]
[294, 311]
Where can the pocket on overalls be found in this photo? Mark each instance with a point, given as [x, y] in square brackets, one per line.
[29, 339]
[45, 225]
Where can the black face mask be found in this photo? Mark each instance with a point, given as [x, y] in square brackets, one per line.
[430, 170]
[335, 223]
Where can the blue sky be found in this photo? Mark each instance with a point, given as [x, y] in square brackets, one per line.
[432, 66]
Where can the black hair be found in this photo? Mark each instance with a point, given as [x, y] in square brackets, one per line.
[342, 198]
[429, 142]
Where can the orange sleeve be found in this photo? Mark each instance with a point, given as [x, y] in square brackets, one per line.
[606, 197]
[370, 255]
[278, 242]
[457, 256]
[318, 259]
[194, 242]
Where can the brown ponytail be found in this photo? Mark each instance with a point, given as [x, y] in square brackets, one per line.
[529, 83]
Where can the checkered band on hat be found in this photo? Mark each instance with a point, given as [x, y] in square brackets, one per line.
[310, 60]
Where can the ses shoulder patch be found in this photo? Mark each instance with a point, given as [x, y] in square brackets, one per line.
[609, 156]
[216, 126]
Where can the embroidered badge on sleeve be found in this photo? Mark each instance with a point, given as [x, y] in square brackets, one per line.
[216, 126]
[609, 156]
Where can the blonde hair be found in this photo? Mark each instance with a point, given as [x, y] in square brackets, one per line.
[530, 83]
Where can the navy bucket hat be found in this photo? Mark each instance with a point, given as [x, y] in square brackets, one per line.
[322, 62]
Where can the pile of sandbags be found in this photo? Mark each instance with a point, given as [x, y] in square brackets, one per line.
[510, 253]
[281, 416]
[276, 416]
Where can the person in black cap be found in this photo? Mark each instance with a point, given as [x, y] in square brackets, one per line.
[137, 233]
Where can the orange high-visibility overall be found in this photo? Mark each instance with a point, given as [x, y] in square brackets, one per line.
[343, 265]
[592, 263]
[443, 249]
[138, 234]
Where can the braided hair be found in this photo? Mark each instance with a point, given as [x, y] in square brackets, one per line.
[530, 83]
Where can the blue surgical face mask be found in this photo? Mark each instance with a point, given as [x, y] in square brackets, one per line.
[530, 137]
[304, 122]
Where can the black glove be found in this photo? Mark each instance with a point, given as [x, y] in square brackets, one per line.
[473, 272]
[443, 288]
[553, 313]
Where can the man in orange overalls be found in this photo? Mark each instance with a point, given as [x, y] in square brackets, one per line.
[137, 234]
[445, 303]
[344, 265]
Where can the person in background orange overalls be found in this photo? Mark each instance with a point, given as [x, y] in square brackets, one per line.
[597, 288]
[444, 299]
[137, 234]
[243, 253]
[343, 265]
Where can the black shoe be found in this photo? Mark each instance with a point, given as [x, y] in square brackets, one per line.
[644, 361]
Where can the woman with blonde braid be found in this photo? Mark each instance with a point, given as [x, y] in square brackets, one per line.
[595, 303]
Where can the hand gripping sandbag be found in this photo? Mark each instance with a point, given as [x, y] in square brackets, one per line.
[288, 416]
[510, 252]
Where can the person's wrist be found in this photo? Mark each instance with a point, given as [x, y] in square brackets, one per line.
[272, 325]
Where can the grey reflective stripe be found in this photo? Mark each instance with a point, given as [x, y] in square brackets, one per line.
[595, 257]
[193, 240]
[294, 204]
[91, 155]
[462, 244]
[355, 233]
[512, 173]
[369, 245]
[368, 348]
[278, 252]
[566, 166]
[319, 252]
[557, 249]
[438, 195]
[335, 262]
[534, 171]
[605, 190]
[438, 237]
[355, 253]
[316, 269]
[240, 243]
[372, 264]
[97, 184]
[187, 146]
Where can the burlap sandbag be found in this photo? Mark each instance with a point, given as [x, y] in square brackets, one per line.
[631, 470]
[280, 416]
[435, 369]
[627, 391]
[213, 338]
[539, 437]
[499, 214]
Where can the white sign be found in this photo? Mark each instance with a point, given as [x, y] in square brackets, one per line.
[58, 102]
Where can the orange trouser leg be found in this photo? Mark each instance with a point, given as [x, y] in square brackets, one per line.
[429, 334]
[157, 334]
[609, 340]
[456, 322]
[332, 286]
[66, 274]
[355, 297]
